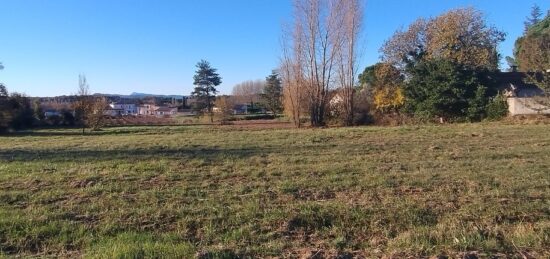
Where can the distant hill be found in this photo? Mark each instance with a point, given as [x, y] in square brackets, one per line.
[142, 95]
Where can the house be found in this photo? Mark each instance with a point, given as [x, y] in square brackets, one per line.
[51, 113]
[120, 109]
[113, 112]
[165, 110]
[523, 98]
[146, 109]
[127, 108]
[154, 110]
[240, 109]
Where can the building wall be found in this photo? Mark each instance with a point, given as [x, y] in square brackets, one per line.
[129, 109]
[526, 106]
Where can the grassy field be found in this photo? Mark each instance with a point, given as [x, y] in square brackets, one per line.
[228, 192]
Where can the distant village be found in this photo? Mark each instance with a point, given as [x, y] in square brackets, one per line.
[150, 105]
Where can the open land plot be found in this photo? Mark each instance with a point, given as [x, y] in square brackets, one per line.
[210, 192]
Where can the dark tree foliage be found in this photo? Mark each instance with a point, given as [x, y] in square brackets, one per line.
[367, 77]
[533, 48]
[206, 80]
[536, 15]
[15, 112]
[38, 111]
[68, 118]
[3, 90]
[441, 88]
[273, 93]
[497, 108]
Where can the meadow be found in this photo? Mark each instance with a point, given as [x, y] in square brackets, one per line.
[477, 190]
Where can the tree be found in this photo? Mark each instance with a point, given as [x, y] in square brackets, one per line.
[249, 91]
[463, 36]
[89, 109]
[5, 111]
[225, 108]
[3, 90]
[532, 52]
[206, 80]
[367, 78]
[320, 53]
[460, 35]
[405, 45]
[21, 112]
[38, 111]
[512, 63]
[535, 17]
[444, 89]
[82, 105]
[5, 115]
[387, 88]
[273, 93]
[96, 114]
[351, 14]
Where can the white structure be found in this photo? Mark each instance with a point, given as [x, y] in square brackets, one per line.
[51, 113]
[526, 106]
[125, 109]
[523, 98]
[151, 109]
[119, 109]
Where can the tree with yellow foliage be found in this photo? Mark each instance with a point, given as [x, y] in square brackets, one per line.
[461, 36]
[385, 83]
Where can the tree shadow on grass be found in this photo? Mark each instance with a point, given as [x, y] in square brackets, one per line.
[74, 132]
[83, 155]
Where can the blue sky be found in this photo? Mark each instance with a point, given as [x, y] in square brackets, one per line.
[125, 46]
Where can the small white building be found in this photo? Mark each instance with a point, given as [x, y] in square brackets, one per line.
[528, 106]
[51, 113]
[523, 98]
[154, 110]
[119, 109]
[124, 109]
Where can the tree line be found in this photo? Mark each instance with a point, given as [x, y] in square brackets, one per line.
[18, 112]
[266, 94]
[444, 68]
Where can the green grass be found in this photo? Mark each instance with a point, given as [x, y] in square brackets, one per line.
[222, 193]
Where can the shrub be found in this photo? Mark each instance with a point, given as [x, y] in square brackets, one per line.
[497, 108]
[441, 88]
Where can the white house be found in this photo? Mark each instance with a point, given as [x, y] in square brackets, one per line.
[523, 98]
[120, 109]
[127, 109]
[151, 109]
[51, 113]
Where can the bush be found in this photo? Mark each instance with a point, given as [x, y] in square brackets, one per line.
[68, 118]
[441, 88]
[253, 117]
[497, 108]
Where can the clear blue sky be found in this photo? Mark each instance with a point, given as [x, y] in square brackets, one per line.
[152, 46]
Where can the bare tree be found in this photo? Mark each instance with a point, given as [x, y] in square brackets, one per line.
[96, 117]
[83, 102]
[249, 91]
[89, 110]
[292, 75]
[323, 41]
[224, 104]
[351, 15]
